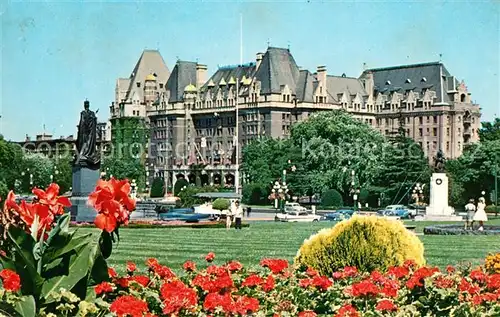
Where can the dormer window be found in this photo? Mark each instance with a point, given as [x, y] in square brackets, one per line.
[423, 79]
[388, 82]
[408, 81]
[161, 85]
[138, 84]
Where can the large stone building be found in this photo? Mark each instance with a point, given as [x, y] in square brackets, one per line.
[188, 120]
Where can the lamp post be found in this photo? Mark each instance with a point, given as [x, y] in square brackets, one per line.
[418, 193]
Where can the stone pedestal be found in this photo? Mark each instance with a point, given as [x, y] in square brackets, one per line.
[438, 209]
[84, 182]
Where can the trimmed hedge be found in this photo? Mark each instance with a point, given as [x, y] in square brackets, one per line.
[331, 198]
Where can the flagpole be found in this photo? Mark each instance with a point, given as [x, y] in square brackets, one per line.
[237, 148]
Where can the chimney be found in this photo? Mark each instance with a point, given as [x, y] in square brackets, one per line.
[368, 82]
[259, 59]
[321, 74]
[201, 75]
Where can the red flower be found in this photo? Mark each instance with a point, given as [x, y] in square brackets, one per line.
[111, 200]
[216, 300]
[468, 287]
[245, 305]
[478, 275]
[214, 283]
[347, 311]
[252, 280]
[275, 265]
[234, 266]
[50, 198]
[305, 283]
[386, 305]
[350, 271]
[419, 275]
[410, 264]
[189, 266]
[320, 282]
[104, 287]
[163, 272]
[11, 281]
[10, 203]
[450, 269]
[129, 306]
[36, 213]
[112, 273]
[398, 271]
[152, 262]
[140, 279]
[311, 272]
[122, 281]
[364, 288]
[131, 267]
[210, 257]
[443, 282]
[494, 282]
[307, 313]
[269, 284]
[176, 296]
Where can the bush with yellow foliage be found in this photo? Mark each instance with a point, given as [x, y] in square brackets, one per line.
[366, 242]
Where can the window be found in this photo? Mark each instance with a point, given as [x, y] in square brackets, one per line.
[420, 120]
[420, 132]
[427, 145]
[435, 119]
[447, 131]
[428, 119]
[434, 131]
[161, 85]
[434, 145]
[448, 146]
[138, 84]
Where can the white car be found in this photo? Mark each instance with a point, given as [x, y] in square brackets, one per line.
[292, 207]
[297, 216]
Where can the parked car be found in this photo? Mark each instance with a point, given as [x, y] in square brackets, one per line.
[297, 216]
[182, 214]
[339, 215]
[294, 207]
[399, 211]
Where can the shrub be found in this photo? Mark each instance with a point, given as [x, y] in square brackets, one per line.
[157, 188]
[492, 209]
[221, 204]
[366, 242]
[179, 185]
[255, 194]
[331, 198]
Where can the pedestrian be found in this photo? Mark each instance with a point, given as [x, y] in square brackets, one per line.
[249, 210]
[480, 214]
[238, 214]
[470, 209]
[229, 219]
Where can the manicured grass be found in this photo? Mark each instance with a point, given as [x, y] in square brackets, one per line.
[268, 239]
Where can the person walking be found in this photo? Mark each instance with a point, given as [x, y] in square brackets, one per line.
[470, 209]
[238, 214]
[480, 214]
[229, 219]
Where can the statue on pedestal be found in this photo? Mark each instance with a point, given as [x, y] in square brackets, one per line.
[86, 146]
[439, 162]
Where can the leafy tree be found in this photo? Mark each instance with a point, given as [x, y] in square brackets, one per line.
[179, 185]
[403, 165]
[255, 194]
[490, 131]
[125, 168]
[64, 175]
[11, 160]
[364, 195]
[474, 171]
[221, 204]
[332, 198]
[37, 169]
[188, 198]
[157, 187]
[4, 190]
[333, 144]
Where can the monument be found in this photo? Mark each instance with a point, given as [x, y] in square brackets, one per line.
[86, 165]
[438, 209]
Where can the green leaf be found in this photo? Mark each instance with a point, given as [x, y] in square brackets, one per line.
[26, 307]
[98, 265]
[60, 247]
[77, 269]
[106, 244]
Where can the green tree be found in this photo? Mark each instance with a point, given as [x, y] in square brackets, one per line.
[37, 169]
[403, 165]
[332, 198]
[255, 194]
[157, 187]
[221, 204]
[179, 185]
[11, 160]
[125, 168]
[474, 171]
[490, 131]
[62, 173]
[188, 198]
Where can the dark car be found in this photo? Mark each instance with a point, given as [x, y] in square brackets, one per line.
[339, 215]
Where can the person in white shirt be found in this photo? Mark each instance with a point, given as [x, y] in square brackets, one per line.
[470, 209]
[229, 218]
[238, 214]
[480, 214]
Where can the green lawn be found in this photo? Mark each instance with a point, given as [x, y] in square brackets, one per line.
[269, 239]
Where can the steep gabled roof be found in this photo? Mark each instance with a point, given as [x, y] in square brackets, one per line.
[305, 86]
[277, 68]
[415, 77]
[338, 84]
[183, 74]
[224, 74]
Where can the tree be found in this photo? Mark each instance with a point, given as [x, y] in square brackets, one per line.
[63, 173]
[11, 160]
[125, 168]
[188, 195]
[255, 194]
[179, 185]
[157, 187]
[37, 169]
[490, 131]
[331, 198]
[474, 171]
[403, 165]
[221, 204]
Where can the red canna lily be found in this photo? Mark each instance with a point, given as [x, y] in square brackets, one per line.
[37, 217]
[10, 202]
[51, 198]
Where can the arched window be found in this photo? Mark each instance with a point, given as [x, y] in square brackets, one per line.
[462, 98]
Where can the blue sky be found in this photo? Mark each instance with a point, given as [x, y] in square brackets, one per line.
[56, 54]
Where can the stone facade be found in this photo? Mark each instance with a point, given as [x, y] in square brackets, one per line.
[191, 119]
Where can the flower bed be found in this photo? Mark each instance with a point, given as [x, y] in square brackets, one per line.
[460, 230]
[278, 290]
[163, 224]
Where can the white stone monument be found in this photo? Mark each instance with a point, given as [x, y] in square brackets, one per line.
[438, 209]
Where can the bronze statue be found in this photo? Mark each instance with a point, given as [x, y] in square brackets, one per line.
[86, 146]
[439, 162]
